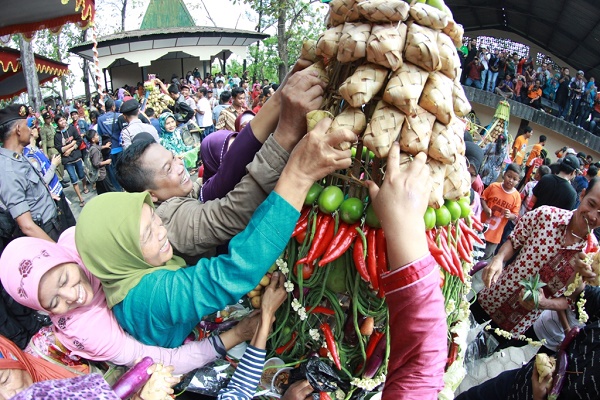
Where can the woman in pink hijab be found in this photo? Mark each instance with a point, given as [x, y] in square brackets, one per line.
[51, 277]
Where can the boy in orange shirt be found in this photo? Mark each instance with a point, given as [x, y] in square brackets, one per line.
[519, 146]
[500, 202]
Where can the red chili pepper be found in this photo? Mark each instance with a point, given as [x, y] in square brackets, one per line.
[462, 251]
[301, 236]
[467, 243]
[443, 240]
[433, 248]
[381, 251]
[441, 260]
[339, 244]
[288, 345]
[373, 340]
[457, 264]
[304, 213]
[301, 226]
[466, 230]
[324, 396]
[322, 238]
[330, 340]
[358, 255]
[372, 259]
[591, 247]
[322, 310]
[476, 223]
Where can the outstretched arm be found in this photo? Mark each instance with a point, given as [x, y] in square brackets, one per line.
[418, 350]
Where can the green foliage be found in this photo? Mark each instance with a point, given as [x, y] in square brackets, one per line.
[294, 21]
[532, 289]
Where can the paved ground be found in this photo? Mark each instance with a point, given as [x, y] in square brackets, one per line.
[478, 372]
[74, 201]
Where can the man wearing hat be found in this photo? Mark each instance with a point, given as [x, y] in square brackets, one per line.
[47, 132]
[556, 190]
[22, 188]
[134, 125]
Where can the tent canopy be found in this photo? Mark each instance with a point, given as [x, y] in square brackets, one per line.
[29, 16]
[12, 78]
[570, 29]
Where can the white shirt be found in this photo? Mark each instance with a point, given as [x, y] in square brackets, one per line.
[205, 119]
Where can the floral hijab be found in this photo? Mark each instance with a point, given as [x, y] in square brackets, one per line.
[173, 141]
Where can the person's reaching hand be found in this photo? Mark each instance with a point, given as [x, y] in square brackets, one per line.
[400, 204]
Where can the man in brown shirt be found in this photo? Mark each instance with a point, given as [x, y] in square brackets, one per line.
[229, 115]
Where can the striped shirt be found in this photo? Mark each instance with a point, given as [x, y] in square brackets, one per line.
[246, 377]
[583, 366]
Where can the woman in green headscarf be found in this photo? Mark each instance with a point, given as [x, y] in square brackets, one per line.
[170, 138]
[154, 297]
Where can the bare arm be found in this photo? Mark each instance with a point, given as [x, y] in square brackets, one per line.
[492, 271]
[30, 228]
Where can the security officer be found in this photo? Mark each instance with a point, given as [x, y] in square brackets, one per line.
[22, 188]
[47, 133]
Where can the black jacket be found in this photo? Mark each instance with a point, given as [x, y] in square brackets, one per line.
[17, 323]
[63, 138]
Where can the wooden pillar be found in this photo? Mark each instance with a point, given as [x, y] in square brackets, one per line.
[31, 76]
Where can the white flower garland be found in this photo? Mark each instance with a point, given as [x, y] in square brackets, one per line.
[368, 384]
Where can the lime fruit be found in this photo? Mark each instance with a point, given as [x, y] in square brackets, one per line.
[371, 218]
[442, 216]
[429, 218]
[454, 208]
[330, 199]
[313, 193]
[465, 208]
[351, 210]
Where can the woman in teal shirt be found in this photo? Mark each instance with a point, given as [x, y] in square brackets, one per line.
[154, 297]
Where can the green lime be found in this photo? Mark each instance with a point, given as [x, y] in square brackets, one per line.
[429, 218]
[330, 199]
[313, 193]
[454, 208]
[442, 216]
[351, 210]
[465, 208]
[371, 218]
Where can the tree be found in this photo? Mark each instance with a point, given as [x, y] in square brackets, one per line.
[29, 69]
[294, 21]
[117, 10]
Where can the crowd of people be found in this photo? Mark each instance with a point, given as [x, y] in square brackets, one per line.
[519, 78]
[541, 218]
[158, 249]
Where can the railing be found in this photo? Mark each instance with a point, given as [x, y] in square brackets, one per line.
[523, 111]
